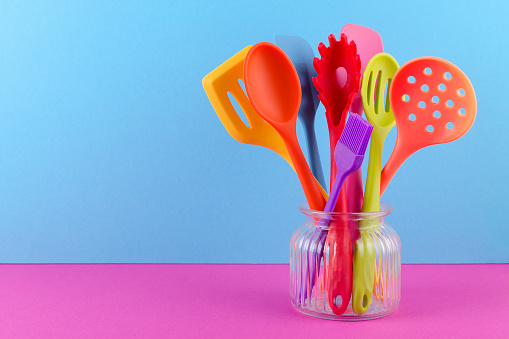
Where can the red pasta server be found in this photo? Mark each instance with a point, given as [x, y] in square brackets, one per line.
[336, 61]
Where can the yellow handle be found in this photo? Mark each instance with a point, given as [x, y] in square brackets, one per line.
[364, 267]
[371, 201]
[364, 260]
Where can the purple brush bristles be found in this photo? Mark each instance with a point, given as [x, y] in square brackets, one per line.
[349, 153]
[356, 134]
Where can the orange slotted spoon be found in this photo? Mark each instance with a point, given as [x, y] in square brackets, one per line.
[433, 102]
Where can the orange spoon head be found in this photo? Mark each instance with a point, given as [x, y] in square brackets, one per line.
[433, 102]
[272, 83]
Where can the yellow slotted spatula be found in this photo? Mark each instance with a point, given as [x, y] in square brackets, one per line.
[225, 79]
[376, 82]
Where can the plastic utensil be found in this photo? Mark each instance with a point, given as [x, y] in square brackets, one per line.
[301, 54]
[339, 57]
[273, 87]
[349, 154]
[433, 102]
[376, 83]
[368, 43]
[225, 79]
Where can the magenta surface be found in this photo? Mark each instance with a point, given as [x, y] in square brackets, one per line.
[241, 301]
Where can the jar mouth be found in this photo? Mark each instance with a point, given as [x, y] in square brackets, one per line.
[385, 209]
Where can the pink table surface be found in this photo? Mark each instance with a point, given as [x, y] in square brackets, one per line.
[236, 301]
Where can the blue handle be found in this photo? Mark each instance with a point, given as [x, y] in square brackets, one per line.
[314, 154]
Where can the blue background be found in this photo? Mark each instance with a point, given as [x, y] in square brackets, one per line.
[111, 152]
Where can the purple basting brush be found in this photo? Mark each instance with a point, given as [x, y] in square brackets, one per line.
[349, 154]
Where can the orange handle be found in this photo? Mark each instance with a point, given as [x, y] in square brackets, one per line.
[314, 197]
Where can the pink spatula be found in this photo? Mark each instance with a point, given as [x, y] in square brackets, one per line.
[369, 43]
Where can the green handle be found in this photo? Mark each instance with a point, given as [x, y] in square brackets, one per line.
[364, 268]
[364, 260]
[372, 193]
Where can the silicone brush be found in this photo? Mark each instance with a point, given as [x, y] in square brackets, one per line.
[339, 58]
[349, 154]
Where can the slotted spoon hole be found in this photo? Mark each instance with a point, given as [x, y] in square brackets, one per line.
[365, 301]
[462, 111]
[339, 301]
[461, 92]
[437, 114]
[387, 102]
[411, 79]
[429, 129]
[435, 99]
[424, 88]
[340, 76]
[442, 87]
[449, 103]
[449, 125]
[405, 98]
[447, 76]
[422, 104]
[427, 71]
[412, 117]
[237, 108]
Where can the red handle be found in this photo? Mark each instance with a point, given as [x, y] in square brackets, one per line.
[339, 277]
[334, 136]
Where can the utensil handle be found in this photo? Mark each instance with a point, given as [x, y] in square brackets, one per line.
[364, 269]
[339, 278]
[397, 158]
[354, 189]
[335, 191]
[314, 154]
[371, 201]
[334, 136]
[313, 196]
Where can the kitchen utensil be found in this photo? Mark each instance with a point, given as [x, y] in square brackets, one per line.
[272, 85]
[349, 154]
[376, 83]
[225, 79]
[301, 54]
[339, 57]
[368, 43]
[433, 102]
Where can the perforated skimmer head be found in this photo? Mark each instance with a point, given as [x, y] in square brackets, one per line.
[433, 102]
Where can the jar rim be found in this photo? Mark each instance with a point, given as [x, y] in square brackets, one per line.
[385, 210]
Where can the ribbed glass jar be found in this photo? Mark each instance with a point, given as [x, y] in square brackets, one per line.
[327, 266]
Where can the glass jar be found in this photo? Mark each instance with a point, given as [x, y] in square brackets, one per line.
[349, 269]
